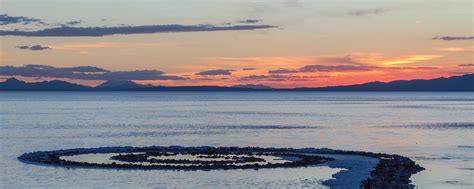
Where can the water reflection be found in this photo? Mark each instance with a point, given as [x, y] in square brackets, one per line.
[440, 127]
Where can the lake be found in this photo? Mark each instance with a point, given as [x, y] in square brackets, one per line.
[434, 129]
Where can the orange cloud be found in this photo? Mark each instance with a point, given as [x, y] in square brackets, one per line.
[305, 71]
[409, 59]
[456, 49]
[452, 49]
[323, 70]
[413, 68]
[372, 59]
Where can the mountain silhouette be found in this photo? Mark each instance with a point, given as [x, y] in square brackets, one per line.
[455, 83]
[120, 85]
[14, 84]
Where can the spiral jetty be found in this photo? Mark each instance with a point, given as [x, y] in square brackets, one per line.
[392, 171]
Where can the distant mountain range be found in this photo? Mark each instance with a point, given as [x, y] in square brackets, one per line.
[120, 85]
[14, 84]
[455, 83]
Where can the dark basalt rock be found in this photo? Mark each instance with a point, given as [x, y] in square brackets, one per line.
[393, 172]
[141, 158]
[250, 159]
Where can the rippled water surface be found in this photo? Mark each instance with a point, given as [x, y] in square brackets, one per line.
[435, 129]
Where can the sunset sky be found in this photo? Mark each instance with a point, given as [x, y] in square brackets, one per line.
[280, 43]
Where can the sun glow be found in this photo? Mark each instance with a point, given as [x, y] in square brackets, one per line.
[410, 59]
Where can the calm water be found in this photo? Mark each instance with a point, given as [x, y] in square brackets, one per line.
[435, 129]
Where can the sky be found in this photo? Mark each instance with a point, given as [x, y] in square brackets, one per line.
[279, 43]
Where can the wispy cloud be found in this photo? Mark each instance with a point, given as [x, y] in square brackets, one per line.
[248, 69]
[466, 65]
[215, 72]
[5, 19]
[33, 47]
[84, 73]
[368, 12]
[262, 77]
[66, 31]
[277, 77]
[409, 59]
[453, 38]
[358, 64]
[322, 68]
[454, 49]
[249, 21]
[355, 62]
[72, 23]
[411, 68]
[286, 62]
